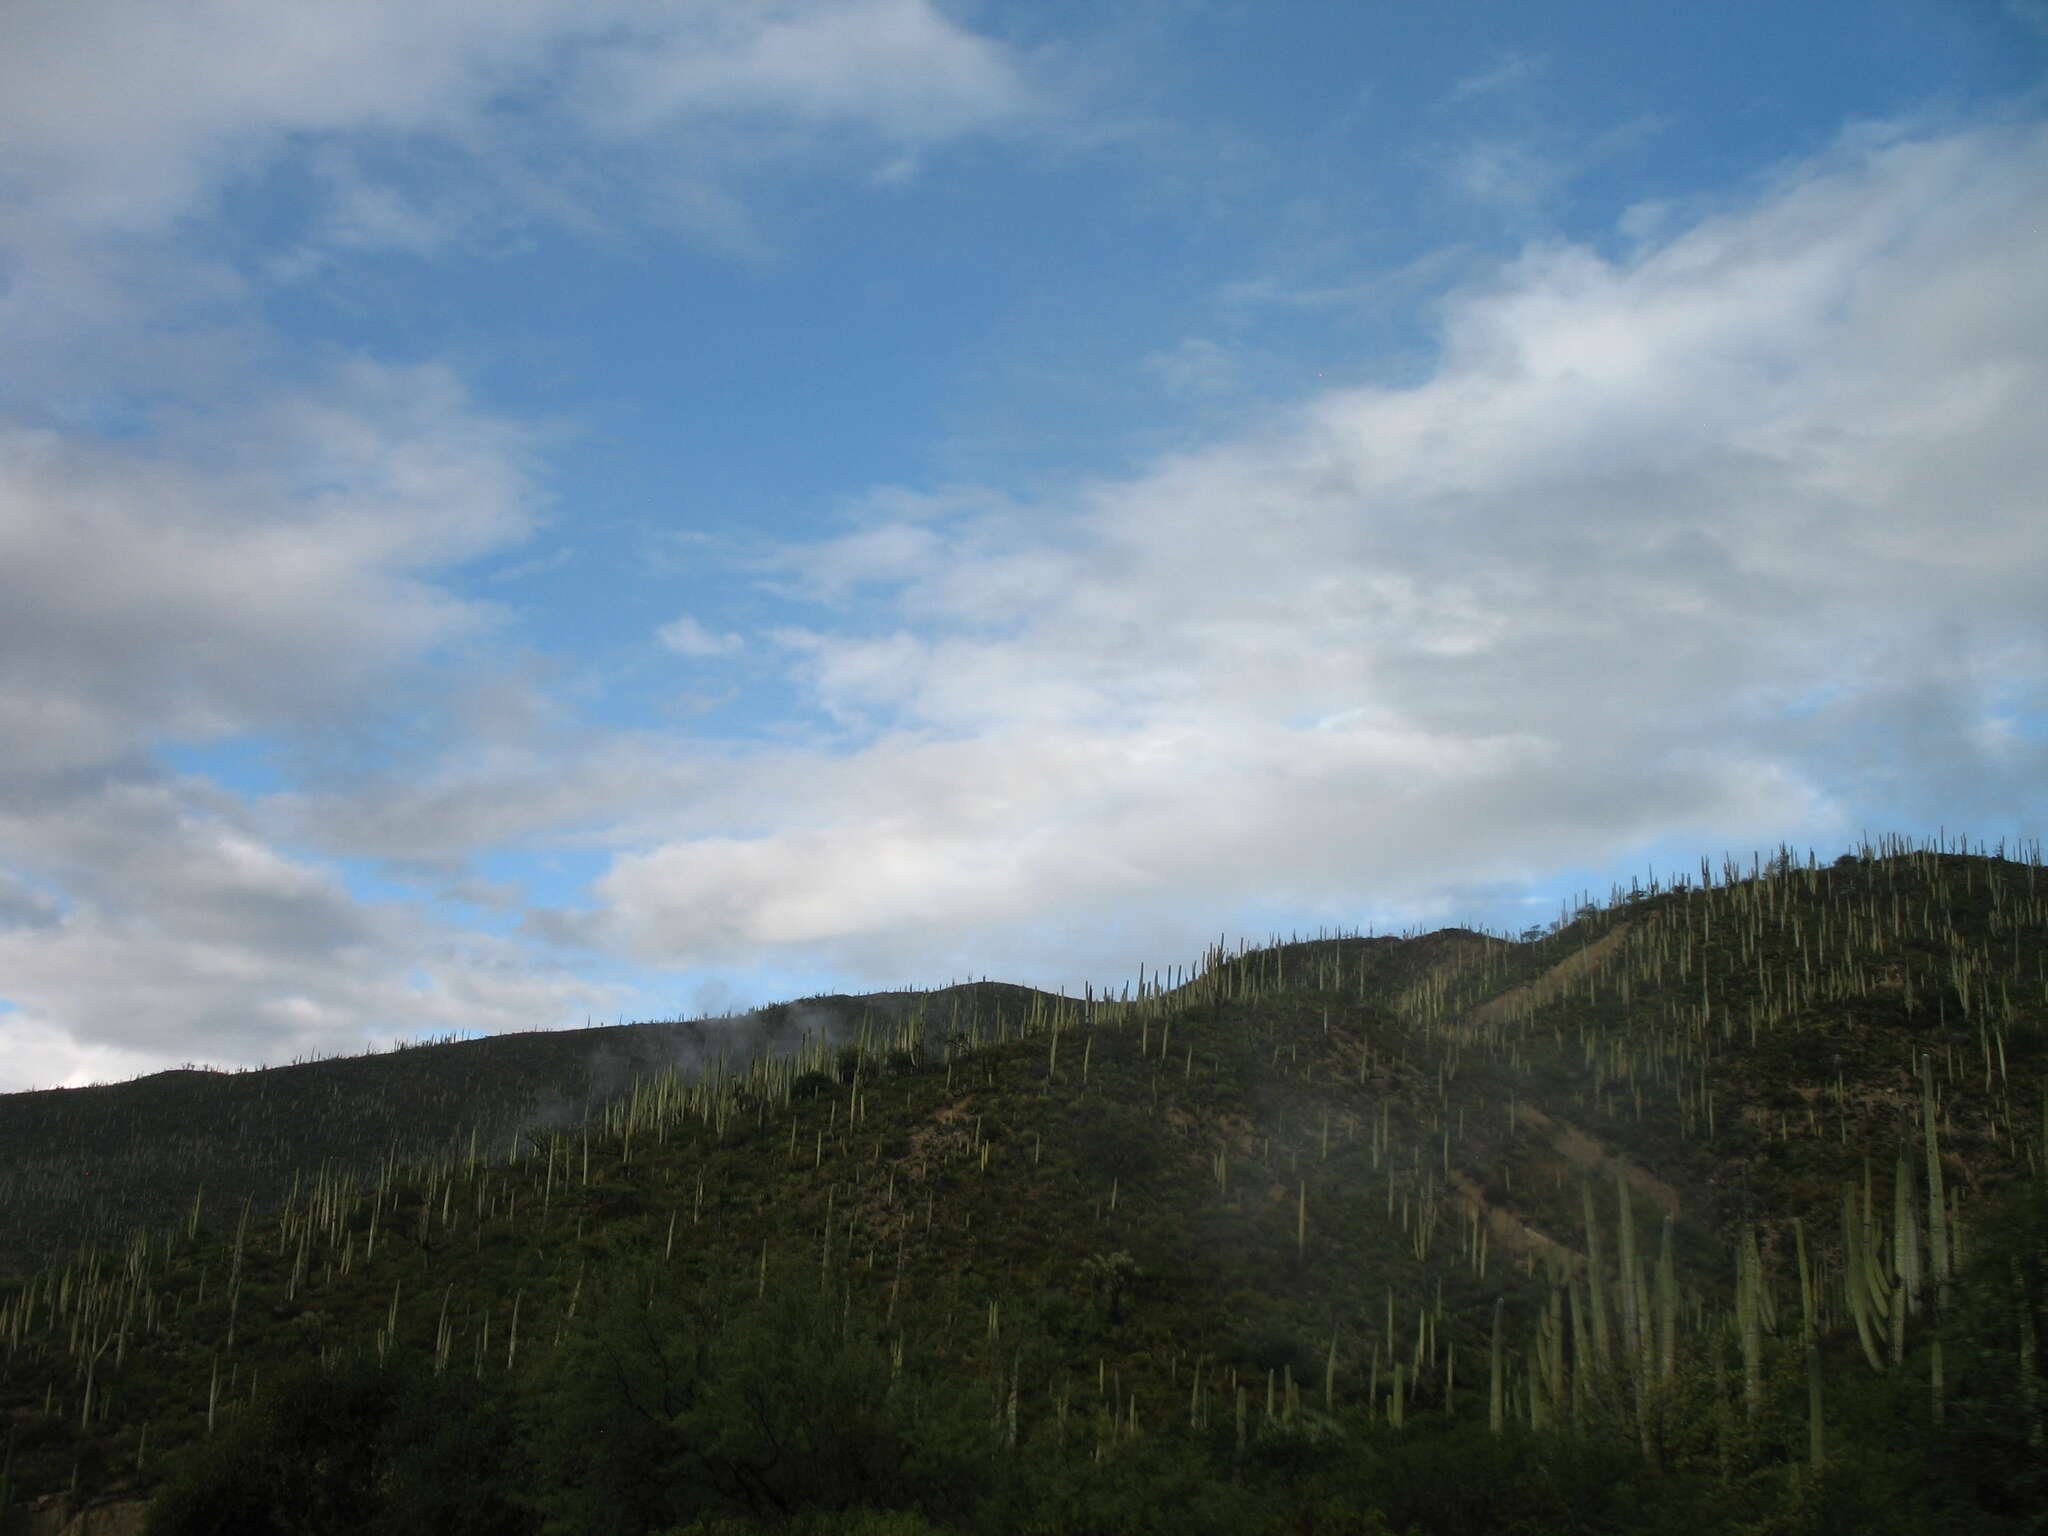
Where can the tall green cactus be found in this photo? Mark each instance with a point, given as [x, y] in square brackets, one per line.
[1631, 1321]
[2029, 1374]
[1581, 1355]
[1905, 1230]
[1667, 1304]
[1937, 1238]
[1595, 1283]
[1805, 1283]
[1937, 1208]
[1816, 1432]
[1497, 1402]
[1749, 1315]
[1856, 1276]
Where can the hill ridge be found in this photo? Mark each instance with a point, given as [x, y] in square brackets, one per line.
[1314, 1161]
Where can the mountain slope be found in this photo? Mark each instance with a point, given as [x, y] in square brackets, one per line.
[93, 1164]
[1669, 1166]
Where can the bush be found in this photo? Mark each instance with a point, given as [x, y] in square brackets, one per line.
[352, 1448]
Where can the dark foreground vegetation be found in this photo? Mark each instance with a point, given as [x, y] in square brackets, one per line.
[1720, 1208]
[786, 1413]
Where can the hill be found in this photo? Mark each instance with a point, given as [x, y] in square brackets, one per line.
[1719, 1206]
[92, 1165]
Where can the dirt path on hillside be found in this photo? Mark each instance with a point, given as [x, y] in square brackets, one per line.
[1584, 1151]
[1551, 984]
[1505, 1227]
[1566, 1139]
[1581, 1151]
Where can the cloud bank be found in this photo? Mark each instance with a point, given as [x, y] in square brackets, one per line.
[1700, 540]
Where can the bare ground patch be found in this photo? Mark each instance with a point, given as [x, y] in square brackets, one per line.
[1531, 995]
[1584, 1151]
[1504, 1226]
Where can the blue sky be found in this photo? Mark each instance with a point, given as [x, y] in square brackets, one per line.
[522, 513]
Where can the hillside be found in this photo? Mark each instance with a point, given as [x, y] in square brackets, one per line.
[1436, 1233]
[91, 1165]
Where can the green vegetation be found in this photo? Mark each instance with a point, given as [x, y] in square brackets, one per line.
[1722, 1207]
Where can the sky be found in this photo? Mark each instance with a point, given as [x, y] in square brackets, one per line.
[527, 513]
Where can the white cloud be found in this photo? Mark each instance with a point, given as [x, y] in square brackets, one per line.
[898, 68]
[1547, 606]
[206, 532]
[1688, 541]
[263, 575]
[23, 905]
[124, 115]
[887, 554]
[582, 788]
[1665, 546]
[123, 124]
[185, 936]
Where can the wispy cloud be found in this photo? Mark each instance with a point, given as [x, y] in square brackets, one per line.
[1507, 172]
[687, 636]
[898, 68]
[1195, 366]
[1510, 70]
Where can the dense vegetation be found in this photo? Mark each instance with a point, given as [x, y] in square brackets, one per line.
[1719, 1207]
